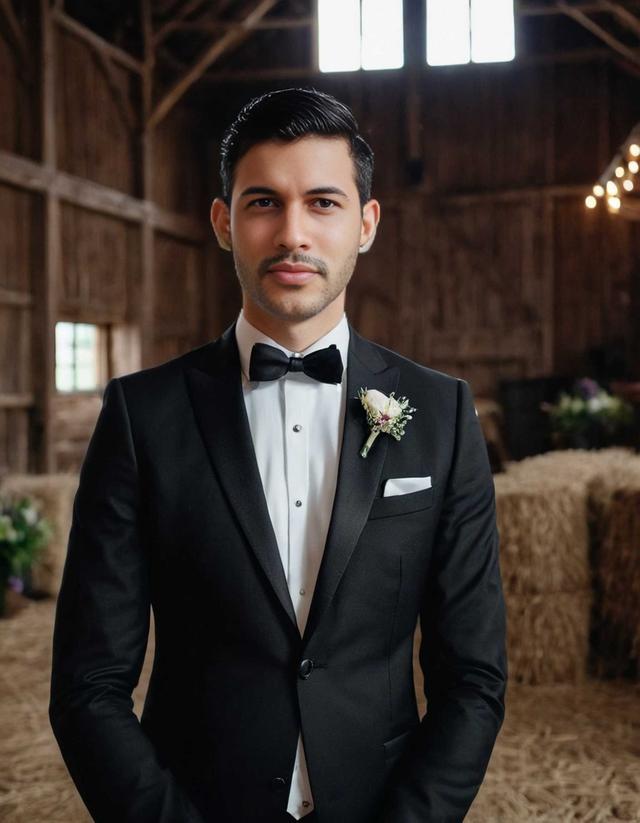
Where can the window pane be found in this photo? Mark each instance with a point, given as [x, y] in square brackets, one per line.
[492, 31]
[64, 378]
[448, 40]
[85, 377]
[339, 35]
[76, 356]
[382, 35]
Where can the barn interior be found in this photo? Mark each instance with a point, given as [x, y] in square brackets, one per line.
[508, 254]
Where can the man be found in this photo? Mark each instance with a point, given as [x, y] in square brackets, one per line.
[227, 488]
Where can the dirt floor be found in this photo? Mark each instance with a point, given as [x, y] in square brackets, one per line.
[566, 753]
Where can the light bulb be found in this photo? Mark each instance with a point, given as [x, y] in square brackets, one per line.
[619, 171]
[614, 203]
[634, 166]
[628, 185]
[611, 188]
[590, 202]
[634, 150]
[598, 190]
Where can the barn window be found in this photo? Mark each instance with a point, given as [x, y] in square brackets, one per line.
[355, 34]
[459, 31]
[80, 351]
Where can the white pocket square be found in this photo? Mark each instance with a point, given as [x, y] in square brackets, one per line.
[404, 485]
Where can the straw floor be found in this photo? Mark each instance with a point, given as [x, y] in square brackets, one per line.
[566, 753]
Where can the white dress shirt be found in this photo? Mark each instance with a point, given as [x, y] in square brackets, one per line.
[296, 425]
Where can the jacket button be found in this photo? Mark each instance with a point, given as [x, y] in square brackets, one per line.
[278, 784]
[305, 669]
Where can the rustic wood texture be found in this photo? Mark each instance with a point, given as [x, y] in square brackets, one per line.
[486, 265]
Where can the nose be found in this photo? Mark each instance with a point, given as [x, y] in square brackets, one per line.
[292, 230]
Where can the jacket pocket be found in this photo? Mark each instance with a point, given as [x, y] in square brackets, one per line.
[401, 503]
[393, 748]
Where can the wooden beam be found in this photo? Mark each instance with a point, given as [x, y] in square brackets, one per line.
[216, 50]
[580, 17]
[26, 174]
[304, 72]
[12, 297]
[96, 42]
[146, 312]
[277, 23]
[16, 35]
[624, 15]
[46, 275]
[119, 97]
[16, 401]
[545, 10]
[176, 19]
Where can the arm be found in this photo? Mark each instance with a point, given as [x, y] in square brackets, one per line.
[100, 638]
[462, 652]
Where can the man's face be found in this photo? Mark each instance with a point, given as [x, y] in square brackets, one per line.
[295, 204]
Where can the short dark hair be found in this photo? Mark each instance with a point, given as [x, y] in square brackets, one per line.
[287, 115]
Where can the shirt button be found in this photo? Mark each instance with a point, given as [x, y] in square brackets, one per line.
[298, 502]
[303, 591]
[297, 427]
[306, 804]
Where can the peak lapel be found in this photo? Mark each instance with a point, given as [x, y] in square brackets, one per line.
[215, 388]
[358, 477]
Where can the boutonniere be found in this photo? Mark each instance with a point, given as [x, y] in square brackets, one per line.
[384, 414]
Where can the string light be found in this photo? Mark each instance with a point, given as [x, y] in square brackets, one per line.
[621, 178]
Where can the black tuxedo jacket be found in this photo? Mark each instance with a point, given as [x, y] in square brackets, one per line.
[170, 513]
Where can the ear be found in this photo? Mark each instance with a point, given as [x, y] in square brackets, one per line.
[370, 220]
[221, 222]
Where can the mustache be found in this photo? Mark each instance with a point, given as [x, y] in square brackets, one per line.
[303, 259]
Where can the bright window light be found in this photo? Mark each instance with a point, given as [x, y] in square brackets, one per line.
[77, 358]
[382, 35]
[458, 31]
[448, 40]
[354, 34]
[339, 35]
[492, 31]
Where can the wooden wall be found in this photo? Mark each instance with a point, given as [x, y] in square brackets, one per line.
[487, 264]
[491, 267]
[86, 235]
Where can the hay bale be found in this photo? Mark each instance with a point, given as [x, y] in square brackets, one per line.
[548, 637]
[572, 465]
[544, 538]
[53, 494]
[617, 562]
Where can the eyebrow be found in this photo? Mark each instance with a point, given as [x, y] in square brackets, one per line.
[318, 190]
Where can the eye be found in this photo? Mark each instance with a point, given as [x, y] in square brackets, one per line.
[263, 201]
[325, 204]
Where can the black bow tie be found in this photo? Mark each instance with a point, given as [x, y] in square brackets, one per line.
[270, 363]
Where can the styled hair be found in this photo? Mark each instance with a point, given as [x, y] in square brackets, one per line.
[287, 115]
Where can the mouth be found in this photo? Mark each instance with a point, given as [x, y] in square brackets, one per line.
[291, 274]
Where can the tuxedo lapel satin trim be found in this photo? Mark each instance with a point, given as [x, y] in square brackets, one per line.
[215, 389]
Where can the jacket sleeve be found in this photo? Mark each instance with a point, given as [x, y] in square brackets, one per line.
[462, 652]
[100, 637]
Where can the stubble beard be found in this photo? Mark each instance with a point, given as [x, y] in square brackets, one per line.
[295, 303]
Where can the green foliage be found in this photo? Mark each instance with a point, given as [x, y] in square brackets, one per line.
[23, 534]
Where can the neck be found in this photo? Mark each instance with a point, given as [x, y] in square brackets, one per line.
[295, 336]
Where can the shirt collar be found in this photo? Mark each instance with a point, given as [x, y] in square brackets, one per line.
[247, 335]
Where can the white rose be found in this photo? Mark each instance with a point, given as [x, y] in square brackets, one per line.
[30, 515]
[379, 403]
